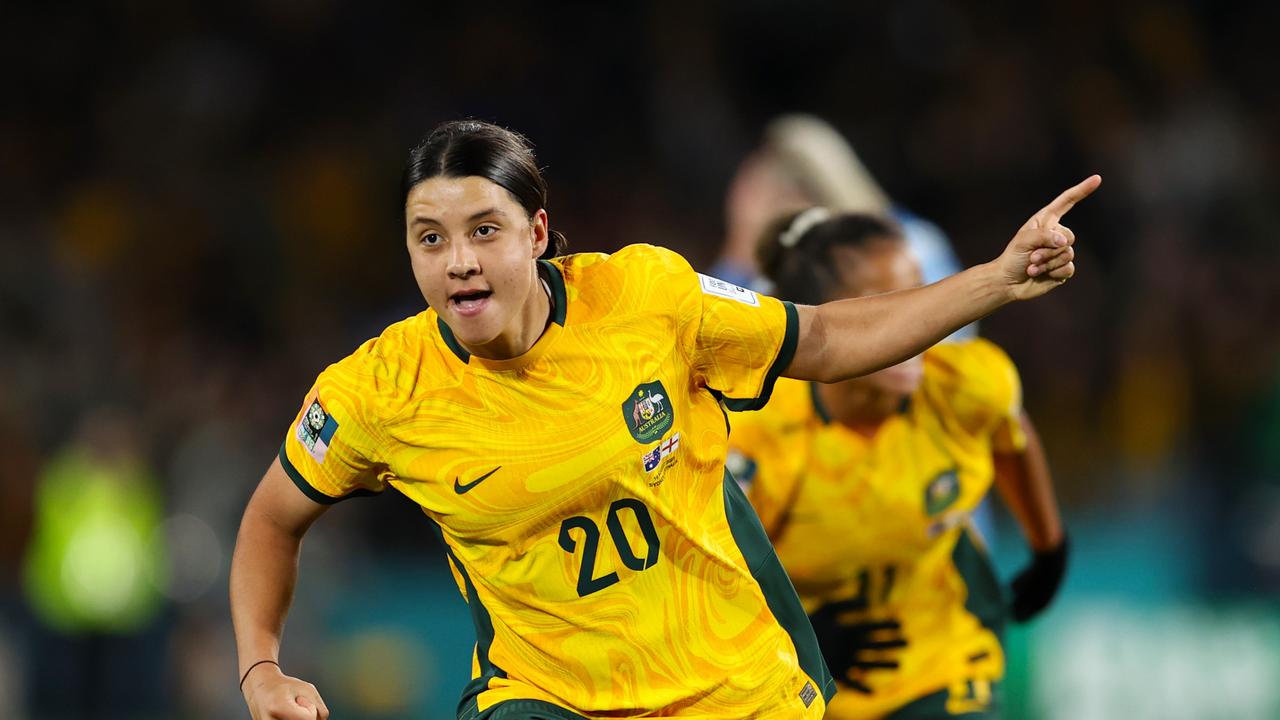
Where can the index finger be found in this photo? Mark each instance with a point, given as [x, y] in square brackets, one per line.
[1054, 211]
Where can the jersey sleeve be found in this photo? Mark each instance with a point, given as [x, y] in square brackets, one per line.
[987, 391]
[738, 342]
[744, 342]
[331, 450]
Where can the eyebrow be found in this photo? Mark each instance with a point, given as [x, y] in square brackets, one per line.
[420, 220]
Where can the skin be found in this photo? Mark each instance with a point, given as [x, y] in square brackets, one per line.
[451, 253]
[468, 234]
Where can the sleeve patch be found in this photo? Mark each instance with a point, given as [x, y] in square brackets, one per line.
[720, 288]
[315, 431]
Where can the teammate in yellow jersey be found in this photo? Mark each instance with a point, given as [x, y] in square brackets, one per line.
[559, 420]
[866, 486]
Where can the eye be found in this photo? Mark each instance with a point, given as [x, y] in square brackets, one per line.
[486, 231]
[432, 239]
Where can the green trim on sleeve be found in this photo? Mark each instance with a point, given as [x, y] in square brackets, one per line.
[310, 491]
[786, 353]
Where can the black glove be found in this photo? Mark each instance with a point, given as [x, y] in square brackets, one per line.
[1035, 586]
[852, 648]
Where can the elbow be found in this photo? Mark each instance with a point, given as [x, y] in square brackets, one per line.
[821, 360]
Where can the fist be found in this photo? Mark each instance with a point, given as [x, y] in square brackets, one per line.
[272, 695]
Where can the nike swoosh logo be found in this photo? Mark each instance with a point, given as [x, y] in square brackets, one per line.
[460, 488]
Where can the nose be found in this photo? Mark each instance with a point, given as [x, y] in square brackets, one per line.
[463, 262]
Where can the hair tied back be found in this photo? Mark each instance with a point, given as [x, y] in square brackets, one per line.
[803, 223]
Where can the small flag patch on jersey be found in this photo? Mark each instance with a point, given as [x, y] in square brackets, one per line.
[720, 288]
[654, 457]
[808, 694]
[316, 429]
[651, 459]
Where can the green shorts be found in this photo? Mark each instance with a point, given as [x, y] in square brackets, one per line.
[527, 710]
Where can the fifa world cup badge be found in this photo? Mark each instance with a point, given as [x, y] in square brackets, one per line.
[315, 430]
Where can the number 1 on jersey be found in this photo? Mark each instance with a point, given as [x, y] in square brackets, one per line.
[587, 581]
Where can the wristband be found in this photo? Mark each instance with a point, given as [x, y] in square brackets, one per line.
[251, 667]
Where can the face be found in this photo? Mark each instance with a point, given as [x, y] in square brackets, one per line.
[474, 251]
[881, 267]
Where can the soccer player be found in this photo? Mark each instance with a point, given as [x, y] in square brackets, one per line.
[559, 420]
[866, 488]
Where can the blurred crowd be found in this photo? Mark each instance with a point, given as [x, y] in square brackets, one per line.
[199, 210]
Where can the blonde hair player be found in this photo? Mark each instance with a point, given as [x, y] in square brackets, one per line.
[610, 567]
[867, 489]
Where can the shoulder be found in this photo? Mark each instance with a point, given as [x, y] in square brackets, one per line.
[639, 260]
[379, 375]
[974, 375]
[642, 275]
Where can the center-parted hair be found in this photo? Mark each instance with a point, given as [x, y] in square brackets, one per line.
[796, 250]
[464, 148]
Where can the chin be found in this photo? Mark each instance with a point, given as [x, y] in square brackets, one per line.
[471, 333]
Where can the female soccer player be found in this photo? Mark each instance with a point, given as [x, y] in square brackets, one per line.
[865, 488]
[559, 420]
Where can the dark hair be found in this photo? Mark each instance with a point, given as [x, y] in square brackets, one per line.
[463, 148]
[795, 251]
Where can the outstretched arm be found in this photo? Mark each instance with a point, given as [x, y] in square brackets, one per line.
[847, 338]
[264, 569]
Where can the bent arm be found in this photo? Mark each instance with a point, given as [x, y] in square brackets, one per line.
[847, 338]
[264, 566]
[1025, 485]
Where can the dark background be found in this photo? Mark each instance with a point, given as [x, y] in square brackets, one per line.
[200, 209]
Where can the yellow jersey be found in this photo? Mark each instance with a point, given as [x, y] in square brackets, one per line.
[611, 566]
[885, 520]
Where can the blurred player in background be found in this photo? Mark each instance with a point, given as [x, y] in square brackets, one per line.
[803, 162]
[559, 420]
[866, 488]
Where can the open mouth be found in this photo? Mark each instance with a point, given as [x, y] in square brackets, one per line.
[469, 302]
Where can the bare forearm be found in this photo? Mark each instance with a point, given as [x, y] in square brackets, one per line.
[264, 570]
[847, 338]
[1024, 482]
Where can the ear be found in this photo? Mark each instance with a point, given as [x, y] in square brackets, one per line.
[538, 223]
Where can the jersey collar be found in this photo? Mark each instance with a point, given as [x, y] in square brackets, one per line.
[554, 277]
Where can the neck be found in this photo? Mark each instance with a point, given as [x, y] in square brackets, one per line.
[858, 405]
[527, 326]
